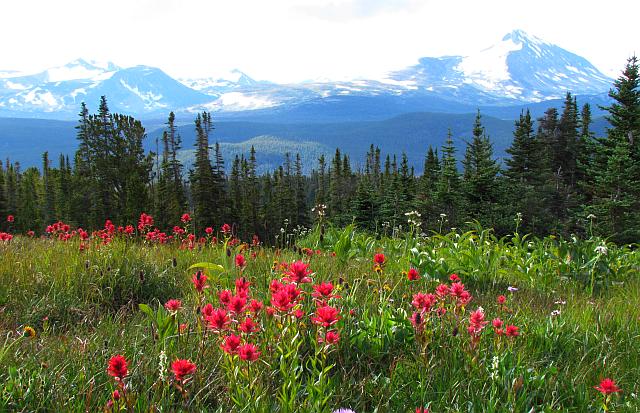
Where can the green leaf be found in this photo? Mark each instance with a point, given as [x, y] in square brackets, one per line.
[208, 266]
[146, 309]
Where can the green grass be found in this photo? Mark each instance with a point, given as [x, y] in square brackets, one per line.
[84, 306]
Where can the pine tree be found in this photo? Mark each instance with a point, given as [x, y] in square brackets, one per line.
[3, 197]
[48, 208]
[448, 195]
[202, 178]
[480, 177]
[616, 199]
[426, 189]
[301, 213]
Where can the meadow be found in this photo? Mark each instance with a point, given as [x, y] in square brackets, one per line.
[132, 319]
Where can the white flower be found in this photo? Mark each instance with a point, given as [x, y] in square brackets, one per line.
[601, 249]
[555, 313]
[591, 216]
[512, 289]
[560, 302]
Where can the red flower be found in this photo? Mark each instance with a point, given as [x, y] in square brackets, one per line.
[117, 367]
[199, 281]
[218, 320]
[298, 273]
[423, 302]
[173, 305]
[418, 321]
[270, 311]
[422, 410]
[454, 277]
[330, 337]
[31, 233]
[442, 290]
[413, 275]
[242, 287]
[248, 326]
[248, 352]
[298, 314]
[226, 228]
[477, 322]
[115, 395]
[497, 323]
[182, 368]
[379, 259]
[240, 261]
[185, 218]
[208, 230]
[225, 297]
[256, 306]
[281, 301]
[502, 299]
[237, 304]
[607, 386]
[512, 331]
[207, 310]
[326, 316]
[231, 344]
[324, 291]
[10, 218]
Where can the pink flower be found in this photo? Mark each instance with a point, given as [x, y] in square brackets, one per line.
[218, 320]
[241, 262]
[502, 299]
[413, 275]
[231, 344]
[512, 331]
[199, 281]
[423, 302]
[226, 229]
[208, 230]
[298, 273]
[330, 337]
[454, 278]
[326, 316]
[117, 367]
[379, 259]
[185, 218]
[10, 218]
[477, 322]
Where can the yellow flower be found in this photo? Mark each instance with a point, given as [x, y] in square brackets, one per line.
[386, 287]
[29, 332]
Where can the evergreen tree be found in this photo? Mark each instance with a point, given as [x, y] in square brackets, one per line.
[202, 178]
[480, 177]
[48, 209]
[448, 195]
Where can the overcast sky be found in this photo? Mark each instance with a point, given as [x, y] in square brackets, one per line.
[294, 40]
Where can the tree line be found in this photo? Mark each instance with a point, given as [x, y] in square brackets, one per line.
[559, 179]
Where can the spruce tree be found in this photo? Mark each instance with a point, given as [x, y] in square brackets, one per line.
[202, 179]
[448, 194]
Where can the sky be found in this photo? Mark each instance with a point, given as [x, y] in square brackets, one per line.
[296, 40]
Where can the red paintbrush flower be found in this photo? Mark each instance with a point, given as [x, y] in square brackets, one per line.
[117, 367]
[607, 386]
[241, 262]
[379, 259]
[173, 305]
[413, 275]
[298, 273]
[248, 352]
[231, 344]
[185, 218]
[218, 320]
[182, 368]
[512, 331]
[326, 316]
[199, 281]
[248, 326]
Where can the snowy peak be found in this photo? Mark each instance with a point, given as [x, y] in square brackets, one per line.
[81, 69]
[222, 83]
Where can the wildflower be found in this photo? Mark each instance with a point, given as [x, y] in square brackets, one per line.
[208, 230]
[298, 314]
[29, 332]
[226, 229]
[241, 262]
[601, 249]
[379, 259]
[324, 291]
[218, 320]
[162, 366]
[256, 306]
[423, 409]
[418, 321]
[31, 233]
[413, 275]
[173, 305]
[298, 273]
[555, 313]
[182, 368]
[248, 352]
[497, 323]
[442, 290]
[117, 367]
[512, 331]
[454, 278]
[607, 386]
[477, 321]
[248, 326]
[207, 310]
[326, 316]
[115, 395]
[185, 218]
[237, 304]
[10, 218]
[231, 344]
[242, 287]
[330, 337]
[199, 281]
[225, 297]
[343, 411]
[502, 299]
[512, 289]
[423, 302]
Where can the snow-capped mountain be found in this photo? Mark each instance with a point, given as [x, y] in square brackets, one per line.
[519, 69]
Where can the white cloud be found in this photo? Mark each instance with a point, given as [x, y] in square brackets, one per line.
[293, 40]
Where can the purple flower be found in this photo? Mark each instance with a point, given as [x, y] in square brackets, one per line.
[343, 411]
[512, 289]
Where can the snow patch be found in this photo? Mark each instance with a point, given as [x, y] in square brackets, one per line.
[489, 67]
[235, 101]
[15, 86]
[150, 99]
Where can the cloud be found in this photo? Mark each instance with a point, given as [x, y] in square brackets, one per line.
[345, 10]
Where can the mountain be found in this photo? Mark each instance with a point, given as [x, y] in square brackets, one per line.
[520, 69]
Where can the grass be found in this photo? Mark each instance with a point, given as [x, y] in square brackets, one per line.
[576, 307]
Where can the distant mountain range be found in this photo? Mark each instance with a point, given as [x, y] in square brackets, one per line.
[519, 69]
[405, 110]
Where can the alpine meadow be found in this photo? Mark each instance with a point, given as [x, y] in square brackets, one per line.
[460, 235]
